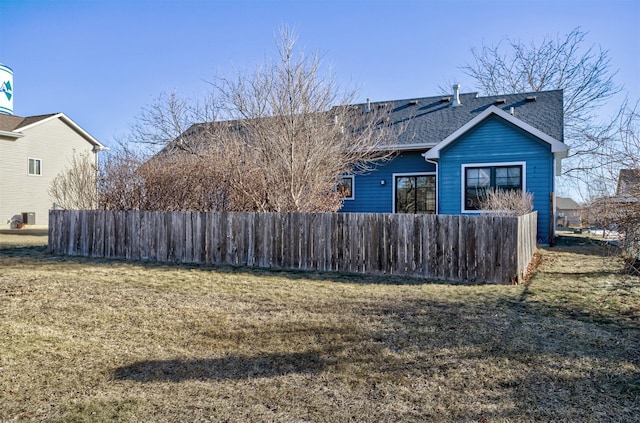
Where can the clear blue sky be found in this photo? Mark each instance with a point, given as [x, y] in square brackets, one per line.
[100, 62]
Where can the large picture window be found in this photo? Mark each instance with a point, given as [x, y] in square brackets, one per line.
[415, 194]
[477, 180]
[35, 167]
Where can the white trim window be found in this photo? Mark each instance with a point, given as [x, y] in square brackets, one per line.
[346, 187]
[414, 193]
[34, 167]
[478, 178]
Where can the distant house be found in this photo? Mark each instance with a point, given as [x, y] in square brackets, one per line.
[568, 213]
[628, 184]
[627, 206]
[33, 151]
[455, 147]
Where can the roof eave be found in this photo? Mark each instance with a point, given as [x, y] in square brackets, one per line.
[98, 146]
[409, 147]
[11, 134]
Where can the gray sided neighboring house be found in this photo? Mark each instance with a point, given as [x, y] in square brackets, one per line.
[33, 151]
[568, 213]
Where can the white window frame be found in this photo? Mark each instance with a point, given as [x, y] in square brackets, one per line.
[29, 166]
[353, 187]
[463, 180]
[393, 182]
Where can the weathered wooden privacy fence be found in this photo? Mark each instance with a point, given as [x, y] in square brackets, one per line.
[470, 249]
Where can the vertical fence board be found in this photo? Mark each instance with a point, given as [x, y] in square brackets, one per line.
[188, 253]
[108, 234]
[144, 239]
[311, 259]
[356, 242]
[324, 239]
[234, 236]
[83, 248]
[426, 242]
[219, 238]
[318, 243]
[160, 225]
[402, 245]
[209, 237]
[454, 236]
[462, 249]
[71, 238]
[470, 250]
[491, 229]
[98, 240]
[274, 245]
[340, 242]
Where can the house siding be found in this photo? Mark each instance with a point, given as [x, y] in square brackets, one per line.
[370, 196]
[497, 141]
[53, 142]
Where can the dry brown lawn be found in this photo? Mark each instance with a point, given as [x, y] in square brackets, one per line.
[93, 340]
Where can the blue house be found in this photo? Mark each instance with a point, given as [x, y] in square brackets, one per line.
[451, 147]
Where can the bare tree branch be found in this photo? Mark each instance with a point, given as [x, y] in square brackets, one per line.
[75, 186]
[289, 133]
[583, 73]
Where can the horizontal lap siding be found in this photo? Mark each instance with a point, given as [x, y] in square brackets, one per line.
[495, 141]
[373, 197]
[470, 249]
[54, 143]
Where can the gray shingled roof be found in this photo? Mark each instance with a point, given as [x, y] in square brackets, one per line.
[432, 119]
[564, 203]
[10, 123]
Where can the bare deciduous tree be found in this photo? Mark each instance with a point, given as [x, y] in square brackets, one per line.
[178, 181]
[75, 186]
[288, 134]
[620, 174]
[120, 185]
[299, 140]
[583, 72]
[167, 120]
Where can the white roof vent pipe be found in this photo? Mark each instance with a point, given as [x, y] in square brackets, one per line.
[368, 105]
[456, 96]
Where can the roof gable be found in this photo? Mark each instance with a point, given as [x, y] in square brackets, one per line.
[558, 148]
[14, 126]
[430, 120]
[565, 203]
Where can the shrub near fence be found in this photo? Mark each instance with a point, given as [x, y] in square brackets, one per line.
[468, 249]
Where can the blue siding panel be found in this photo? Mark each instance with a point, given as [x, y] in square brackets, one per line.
[370, 196]
[491, 141]
[496, 141]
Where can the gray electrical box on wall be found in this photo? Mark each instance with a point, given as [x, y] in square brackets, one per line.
[29, 218]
